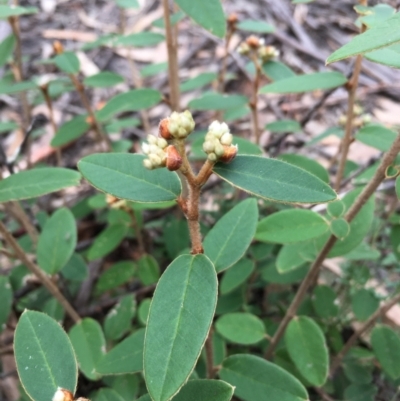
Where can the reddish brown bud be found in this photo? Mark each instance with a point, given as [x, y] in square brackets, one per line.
[58, 48]
[63, 395]
[253, 42]
[229, 154]
[164, 130]
[89, 120]
[100, 105]
[174, 159]
[233, 19]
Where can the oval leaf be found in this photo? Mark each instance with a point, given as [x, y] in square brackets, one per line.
[103, 79]
[44, 355]
[118, 319]
[229, 239]
[71, 130]
[236, 275]
[57, 241]
[386, 345]
[37, 182]
[306, 345]
[125, 177]
[306, 83]
[67, 62]
[205, 390]
[6, 298]
[207, 13]
[241, 328]
[216, 101]
[179, 320]
[89, 344]
[274, 180]
[292, 225]
[255, 379]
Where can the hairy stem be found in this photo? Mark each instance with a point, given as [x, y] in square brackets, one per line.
[173, 67]
[86, 104]
[312, 275]
[254, 100]
[17, 211]
[40, 274]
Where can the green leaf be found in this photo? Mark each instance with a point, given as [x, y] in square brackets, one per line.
[57, 241]
[199, 81]
[207, 13]
[143, 311]
[216, 101]
[307, 164]
[179, 320]
[275, 70]
[377, 136]
[380, 35]
[389, 56]
[37, 182]
[360, 392]
[398, 187]
[255, 378]
[118, 274]
[289, 258]
[107, 241]
[126, 357]
[6, 298]
[6, 126]
[67, 62]
[274, 180]
[284, 126]
[118, 125]
[125, 177]
[241, 328]
[11, 11]
[255, 26]
[377, 14]
[71, 130]
[6, 49]
[271, 274]
[119, 319]
[153, 69]
[306, 345]
[44, 356]
[89, 345]
[364, 303]
[236, 275]
[141, 39]
[133, 100]
[386, 345]
[103, 79]
[106, 394]
[229, 239]
[148, 271]
[127, 386]
[306, 83]
[323, 301]
[336, 209]
[174, 19]
[75, 269]
[127, 3]
[205, 390]
[9, 88]
[291, 225]
[340, 228]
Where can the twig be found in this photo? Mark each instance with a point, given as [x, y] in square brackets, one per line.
[367, 192]
[138, 231]
[39, 273]
[358, 333]
[172, 47]
[254, 101]
[85, 101]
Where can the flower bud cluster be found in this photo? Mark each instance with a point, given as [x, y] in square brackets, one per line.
[154, 148]
[160, 154]
[218, 143]
[254, 45]
[177, 126]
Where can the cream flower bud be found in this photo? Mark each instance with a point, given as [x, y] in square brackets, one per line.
[155, 159]
[208, 146]
[212, 157]
[162, 143]
[145, 148]
[149, 165]
[173, 127]
[152, 139]
[219, 150]
[214, 125]
[226, 139]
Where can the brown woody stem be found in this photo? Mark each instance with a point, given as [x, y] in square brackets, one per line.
[312, 275]
[173, 67]
[254, 101]
[17, 211]
[40, 274]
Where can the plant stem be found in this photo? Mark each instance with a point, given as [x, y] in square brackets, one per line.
[347, 139]
[173, 68]
[17, 211]
[45, 91]
[40, 274]
[358, 333]
[138, 231]
[222, 71]
[312, 275]
[85, 101]
[254, 101]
